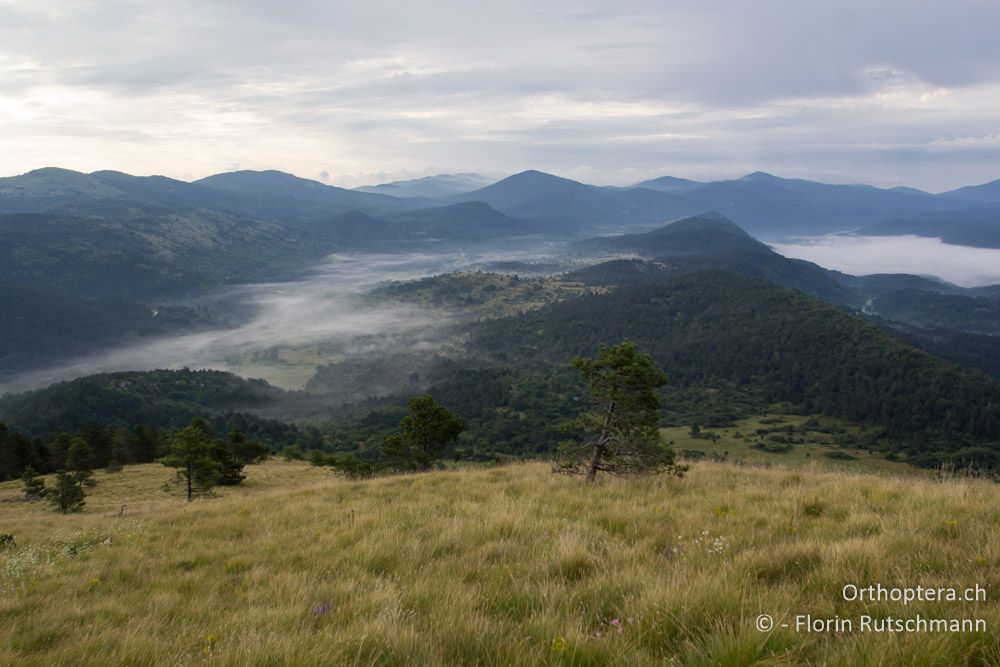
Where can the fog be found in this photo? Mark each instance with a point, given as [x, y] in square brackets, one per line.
[862, 255]
[327, 308]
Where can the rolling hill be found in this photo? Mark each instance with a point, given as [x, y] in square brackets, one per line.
[711, 241]
[163, 398]
[712, 328]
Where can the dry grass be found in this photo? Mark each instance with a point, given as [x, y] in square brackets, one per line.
[494, 567]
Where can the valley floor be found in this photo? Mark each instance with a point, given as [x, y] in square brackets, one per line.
[497, 566]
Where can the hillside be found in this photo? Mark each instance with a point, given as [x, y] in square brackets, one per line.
[977, 228]
[488, 566]
[986, 193]
[276, 195]
[718, 329]
[713, 242]
[164, 398]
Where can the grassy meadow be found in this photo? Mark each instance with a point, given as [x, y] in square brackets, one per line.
[495, 566]
[760, 440]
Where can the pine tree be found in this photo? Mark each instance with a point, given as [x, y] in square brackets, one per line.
[191, 452]
[424, 434]
[80, 461]
[624, 417]
[246, 451]
[230, 466]
[67, 495]
[34, 487]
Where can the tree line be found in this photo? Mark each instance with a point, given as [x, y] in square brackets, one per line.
[107, 447]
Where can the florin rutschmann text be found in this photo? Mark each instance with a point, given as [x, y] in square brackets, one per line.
[904, 595]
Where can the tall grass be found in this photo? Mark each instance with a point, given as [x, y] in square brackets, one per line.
[504, 566]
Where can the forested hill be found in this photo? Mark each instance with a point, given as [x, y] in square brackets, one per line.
[720, 329]
[711, 241]
[164, 398]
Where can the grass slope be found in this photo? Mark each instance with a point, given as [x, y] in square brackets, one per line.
[509, 566]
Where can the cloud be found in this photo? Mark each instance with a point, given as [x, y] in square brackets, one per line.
[863, 255]
[691, 88]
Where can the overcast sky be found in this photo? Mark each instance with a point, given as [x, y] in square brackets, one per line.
[887, 92]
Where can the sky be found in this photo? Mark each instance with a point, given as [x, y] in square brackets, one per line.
[887, 92]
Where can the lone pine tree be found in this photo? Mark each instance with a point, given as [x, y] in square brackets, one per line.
[424, 434]
[67, 495]
[624, 415]
[191, 452]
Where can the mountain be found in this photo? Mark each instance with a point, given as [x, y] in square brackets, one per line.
[718, 329]
[708, 233]
[281, 196]
[670, 184]
[909, 191]
[431, 187]
[971, 227]
[532, 186]
[474, 220]
[50, 187]
[269, 195]
[561, 204]
[52, 190]
[457, 223]
[764, 204]
[987, 193]
[711, 241]
[76, 282]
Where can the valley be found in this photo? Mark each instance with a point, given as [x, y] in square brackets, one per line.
[442, 334]
[828, 424]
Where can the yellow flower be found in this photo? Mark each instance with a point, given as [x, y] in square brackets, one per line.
[558, 644]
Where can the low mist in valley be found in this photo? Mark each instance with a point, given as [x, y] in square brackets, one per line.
[862, 255]
[326, 310]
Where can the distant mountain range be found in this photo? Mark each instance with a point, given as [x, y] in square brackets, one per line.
[763, 204]
[432, 187]
[109, 247]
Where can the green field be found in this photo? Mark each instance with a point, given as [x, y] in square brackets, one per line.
[495, 566]
[765, 440]
[286, 367]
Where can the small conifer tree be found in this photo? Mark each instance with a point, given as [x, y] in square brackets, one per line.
[34, 487]
[67, 495]
[80, 461]
[194, 455]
